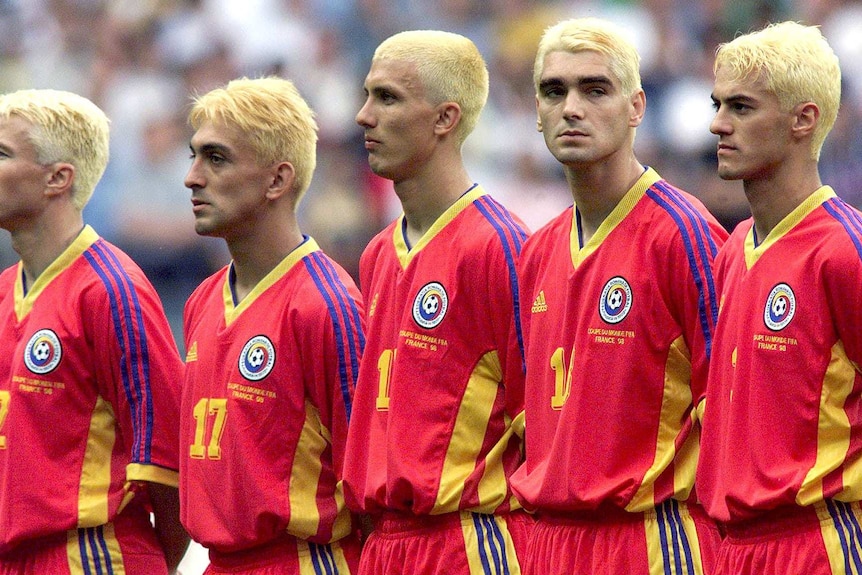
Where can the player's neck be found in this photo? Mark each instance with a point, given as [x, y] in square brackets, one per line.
[41, 241]
[424, 199]
[773, 199]
[254, 258]
[597, 189]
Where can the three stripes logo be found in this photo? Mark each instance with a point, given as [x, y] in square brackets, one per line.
[539, 305]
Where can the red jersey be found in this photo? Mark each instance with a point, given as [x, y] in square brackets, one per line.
[783, 421]
[617, 336]
[267, 397]
[438, 416]
[89, 392]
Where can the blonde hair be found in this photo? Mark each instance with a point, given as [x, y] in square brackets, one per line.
[592, 34]
[797, 64]
[450, 67]
[271, 112]
[68, 128]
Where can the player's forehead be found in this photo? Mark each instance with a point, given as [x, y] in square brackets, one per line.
[394, 74]
[213, 134]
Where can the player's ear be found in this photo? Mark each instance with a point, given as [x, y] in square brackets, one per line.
[448, 118]
[281, 181]
[59, 179]
[806, 118]
[538, 117]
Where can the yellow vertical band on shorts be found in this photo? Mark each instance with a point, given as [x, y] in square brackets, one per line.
[317, 559]
[672, 543]
[840, 528]
[488, 545]
[94, 550]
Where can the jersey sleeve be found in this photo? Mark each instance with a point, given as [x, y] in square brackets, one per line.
[842, 283]
[140, 373]
[699, 296]
[336, 340]
[504, 300]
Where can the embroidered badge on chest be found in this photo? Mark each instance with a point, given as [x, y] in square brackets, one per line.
[257, 358]
[43, 352]
[616, 300]
[430, 305]
[780, 307]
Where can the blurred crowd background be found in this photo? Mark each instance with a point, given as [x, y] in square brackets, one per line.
[142, 60]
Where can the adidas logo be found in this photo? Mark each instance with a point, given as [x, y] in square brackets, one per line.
[192, 354]
[539, 305]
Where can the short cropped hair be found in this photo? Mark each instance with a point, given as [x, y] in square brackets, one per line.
[279, 123]
[596, 35]
[65, 127]
[798, 66]
[450, 67]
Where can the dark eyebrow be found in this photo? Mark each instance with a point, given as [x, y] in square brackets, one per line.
[210, 148]
[582, 81]
[733, 98]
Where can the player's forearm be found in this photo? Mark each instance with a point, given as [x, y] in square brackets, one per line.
[169, 531]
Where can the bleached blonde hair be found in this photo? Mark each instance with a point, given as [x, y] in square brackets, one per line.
[278, 121]
[450, 67]
[798, 66]
[596, 35]
[65, 127]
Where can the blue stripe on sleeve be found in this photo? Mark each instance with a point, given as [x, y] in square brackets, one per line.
[134, 359]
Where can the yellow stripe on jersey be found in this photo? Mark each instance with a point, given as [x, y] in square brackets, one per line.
[833, 431]
[465, 444]
[812, 202]
[673, 546]
[96, 470]
[488, 545]
[676, 399]
[23, 304]
[304, 480]
[619, 213]
[305, 476]
[96, 548]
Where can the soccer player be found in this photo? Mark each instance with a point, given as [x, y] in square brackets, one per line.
[89, 370]
[274, 341]
[781, 463]
[438, 420]
[619, 306]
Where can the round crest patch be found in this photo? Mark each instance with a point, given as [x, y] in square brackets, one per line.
[780, 307]
[43, 352]
[430, 305]
[257, 358]
[616, 300]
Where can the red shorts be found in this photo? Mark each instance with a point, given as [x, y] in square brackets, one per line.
[822, 539]
[674, 538]
[451, 544]
[127, 546]
[289, 556]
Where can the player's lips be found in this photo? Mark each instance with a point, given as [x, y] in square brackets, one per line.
[572, 134]
[725, 148]
[198, 204]
[371, 143]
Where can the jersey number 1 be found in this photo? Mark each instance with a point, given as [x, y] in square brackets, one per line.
[562, 377]
[5, 396]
